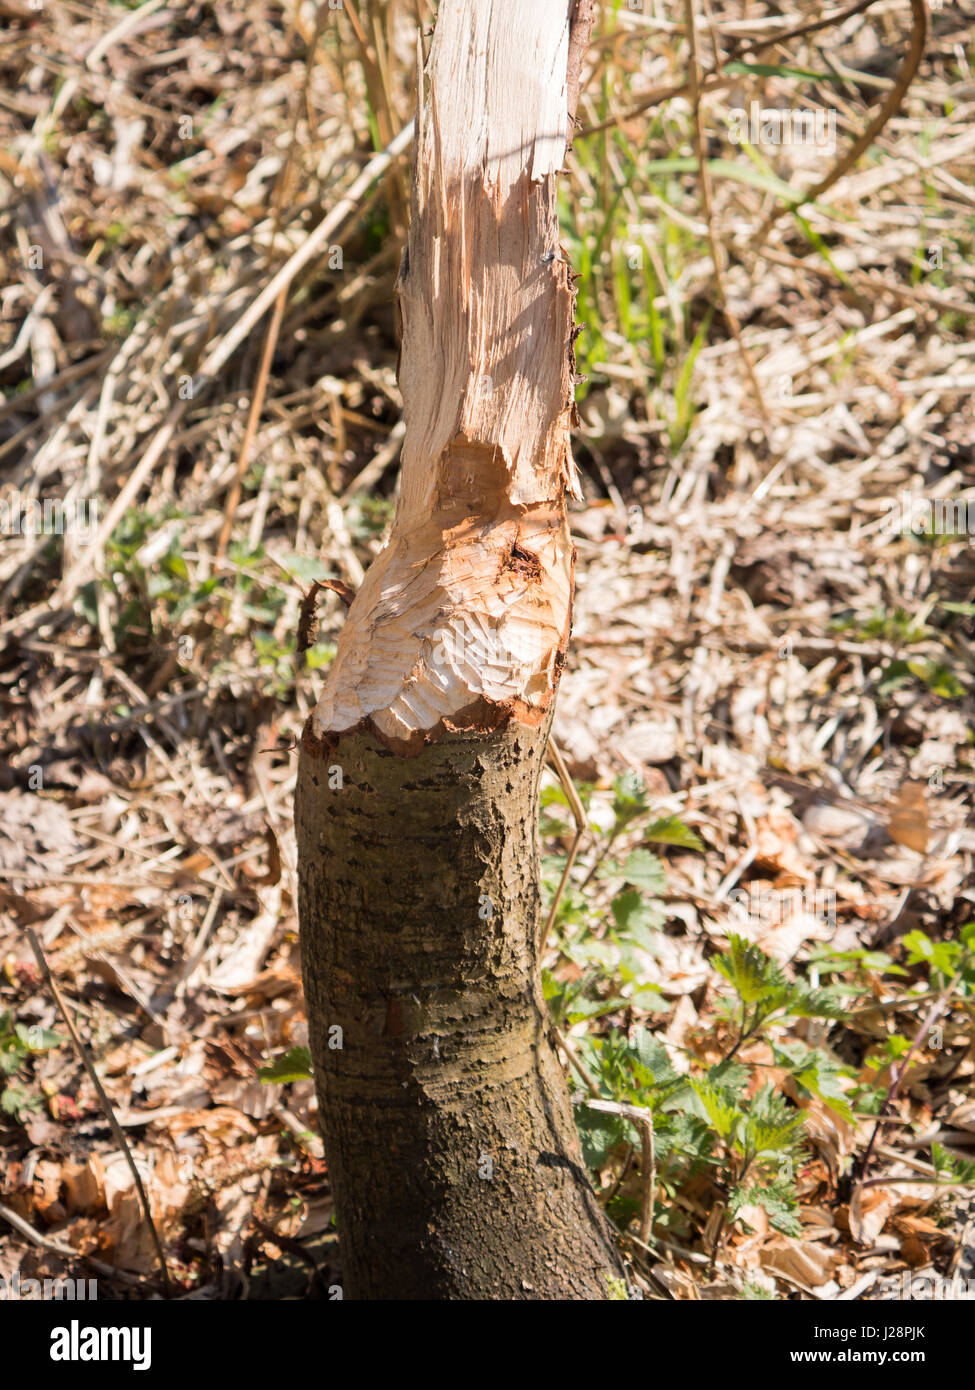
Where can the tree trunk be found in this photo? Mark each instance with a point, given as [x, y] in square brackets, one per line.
[448, 1131]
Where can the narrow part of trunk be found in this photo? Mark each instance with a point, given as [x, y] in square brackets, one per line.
[447, 1124]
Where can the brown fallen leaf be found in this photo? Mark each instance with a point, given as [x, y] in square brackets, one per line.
[810, 1262]
[84, 1185]
[907, 818]
[914, 1251]
[35, 833]
[963, 1117]
[830, 1135]
[869, 1210]
[776, 837]
[919, 1234]
[126, 1233]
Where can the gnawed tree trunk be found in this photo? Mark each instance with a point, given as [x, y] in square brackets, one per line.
[448, 1131]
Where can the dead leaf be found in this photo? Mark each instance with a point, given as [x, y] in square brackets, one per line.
[914, 1251]
[34, 833]
[811, 1263]
[648, 742]
[907, 819]
[830, 1135]
[127, 1232]
[776, 837]
[963, 1117]
[84, 1185]
[869, 1209]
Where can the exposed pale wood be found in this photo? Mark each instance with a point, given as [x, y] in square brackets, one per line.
[446, 1118]
[463, 619]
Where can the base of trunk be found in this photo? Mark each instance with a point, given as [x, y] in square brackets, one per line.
[451, 1147]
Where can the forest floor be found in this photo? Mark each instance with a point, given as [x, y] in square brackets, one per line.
[767, 707]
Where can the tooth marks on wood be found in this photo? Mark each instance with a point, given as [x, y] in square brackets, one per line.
[486, 299]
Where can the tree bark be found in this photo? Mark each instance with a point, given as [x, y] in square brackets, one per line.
[448, 1130]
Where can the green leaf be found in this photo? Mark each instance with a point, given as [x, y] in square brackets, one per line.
[581, 1008]
[802, 1002]
[600, 1134]
[894, 675]
[939, 955]
[551, 987]
[956, 1169]
[776, 1198]
[772, 1126]
[17, 1102]
[670, 830]
[728, 169]
[744, 173]
[719, 1107]
[644, 870]
[37, 1039]
[867, 960]
[304, 567]
[636, 918]
[647, 999]
[818, 244]
[939, 679]
[816, 1073]
[731, 1075]
[629, 800]
[739, 69]
[652, 1054]
[756, 1293]
[752, 973]
[294, 1065]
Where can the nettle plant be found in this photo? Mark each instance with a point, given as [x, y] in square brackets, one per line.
[633, 883]
[19, 1042]
[713, 1127]
[702, 1123]
[710, 1122]
[931, 970]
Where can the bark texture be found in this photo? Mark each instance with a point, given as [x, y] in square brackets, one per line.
[451, 1147]
[445, 1113]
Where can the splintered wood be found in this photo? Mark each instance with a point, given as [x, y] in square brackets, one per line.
[463, 619]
